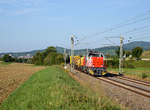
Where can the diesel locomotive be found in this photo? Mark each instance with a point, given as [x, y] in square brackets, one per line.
[92, 63]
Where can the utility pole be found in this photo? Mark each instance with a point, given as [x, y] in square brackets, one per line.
[121, 55]
[65, 67]
[72, 52]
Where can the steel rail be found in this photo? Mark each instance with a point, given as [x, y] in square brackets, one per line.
[125, 87]
[135, 80]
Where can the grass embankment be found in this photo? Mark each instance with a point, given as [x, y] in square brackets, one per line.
[141, 70]
[54, 89]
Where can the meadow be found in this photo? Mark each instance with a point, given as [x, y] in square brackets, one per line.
[140, 71]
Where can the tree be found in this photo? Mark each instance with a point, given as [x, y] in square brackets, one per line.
[118, 51]
[7, 58]
[38, 58]
[50, 59]
[49, 50]
[128, 53]
[59, 58]
[137, 52]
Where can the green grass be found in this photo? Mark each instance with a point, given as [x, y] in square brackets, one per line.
[140, 63]
[138, 71]
[141, 69]
[54, 89]
[4, 63]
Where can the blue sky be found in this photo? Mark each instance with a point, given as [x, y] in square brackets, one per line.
[36, 24]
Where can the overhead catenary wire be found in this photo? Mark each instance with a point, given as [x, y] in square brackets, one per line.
[128, 22]
[140, 32]
[137, 29]
[126, 33]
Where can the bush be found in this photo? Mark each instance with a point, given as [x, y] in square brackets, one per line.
[8, 58]
[112, 63]
[128, 65]
[115, 64]
[144, 75]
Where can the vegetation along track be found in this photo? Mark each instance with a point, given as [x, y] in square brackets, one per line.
[136, 86]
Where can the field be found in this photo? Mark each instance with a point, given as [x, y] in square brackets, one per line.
[53, 89]
[146, 54]
[12, 75]
[141, 70]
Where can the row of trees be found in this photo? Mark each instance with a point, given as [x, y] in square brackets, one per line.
[135, 52]
[8, 58]
[48, 57]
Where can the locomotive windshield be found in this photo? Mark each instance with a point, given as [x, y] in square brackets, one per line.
[95, 55]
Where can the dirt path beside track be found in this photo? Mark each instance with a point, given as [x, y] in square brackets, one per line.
[13, 75]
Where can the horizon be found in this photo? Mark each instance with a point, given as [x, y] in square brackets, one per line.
[28, 25]
[67, 48]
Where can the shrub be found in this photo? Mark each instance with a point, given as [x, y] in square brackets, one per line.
[112, 63]
[8, 58]
[128, 65]
[144, 75]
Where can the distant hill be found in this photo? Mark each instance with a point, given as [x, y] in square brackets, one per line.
[18, 54]
[144, 45]
[106, 50]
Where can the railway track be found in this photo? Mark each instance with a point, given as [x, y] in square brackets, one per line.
[135, 80]
[136, 86]
[132, 88]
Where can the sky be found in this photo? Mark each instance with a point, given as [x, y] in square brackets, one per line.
[27, 25]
